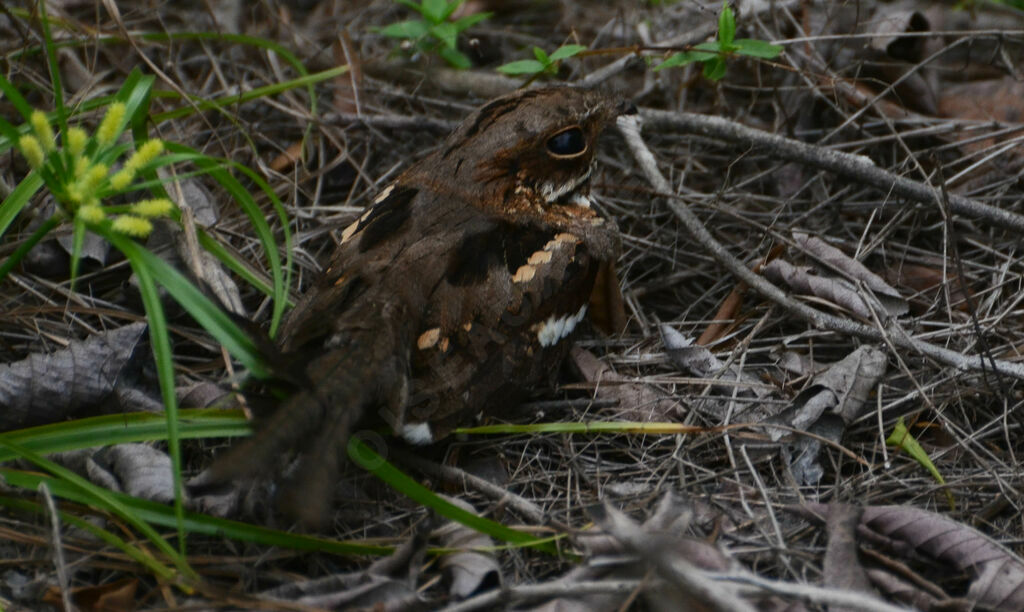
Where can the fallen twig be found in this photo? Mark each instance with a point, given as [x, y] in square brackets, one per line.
[630, 128]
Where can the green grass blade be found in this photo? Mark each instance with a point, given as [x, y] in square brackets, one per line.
[19, 253]
[54, 67]
[205, 312]
[903, 439]
[159, 514]
[281, 283]
[281, 280]
[232, 261]
[369, 460]
[77, 240]
[67, 481]
[18, 199]
[159, 340]
[15, 98]
[140, 556]
[112, 429]
[201, 104]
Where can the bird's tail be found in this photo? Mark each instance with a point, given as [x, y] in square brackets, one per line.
[361, 367]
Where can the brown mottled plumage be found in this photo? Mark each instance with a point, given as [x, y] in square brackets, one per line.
[453, 294]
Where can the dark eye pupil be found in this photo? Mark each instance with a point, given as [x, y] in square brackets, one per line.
[567, 142]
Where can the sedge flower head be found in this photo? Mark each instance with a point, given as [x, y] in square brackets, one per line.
[110, 126]
[76, 141]
[159, 207]
[31, 149]
[130, 225]
[41, 126]
[91, 213]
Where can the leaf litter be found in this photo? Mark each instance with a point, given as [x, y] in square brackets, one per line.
[869, 528]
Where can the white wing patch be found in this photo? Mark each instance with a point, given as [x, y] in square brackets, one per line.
[554, 328]
[417, 433]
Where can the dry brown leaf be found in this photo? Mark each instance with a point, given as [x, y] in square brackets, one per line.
[726, 318]
[468, 571]
[997, 574]
[832, 401]
[842, 567]
[387, 585]
[346, 93]
[116, 596]
[998, 100]
[52, 387]
[852, 270]
[928, 286]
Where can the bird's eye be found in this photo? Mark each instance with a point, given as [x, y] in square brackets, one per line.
[567, 143]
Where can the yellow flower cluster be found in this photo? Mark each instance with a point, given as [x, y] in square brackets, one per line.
[110, 127]
[81, 189]
[145, 154]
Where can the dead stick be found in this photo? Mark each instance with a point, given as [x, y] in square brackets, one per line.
[630, 128]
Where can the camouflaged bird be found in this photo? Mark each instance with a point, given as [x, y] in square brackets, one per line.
[454, 294]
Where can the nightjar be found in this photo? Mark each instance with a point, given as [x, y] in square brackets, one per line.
[453, 294]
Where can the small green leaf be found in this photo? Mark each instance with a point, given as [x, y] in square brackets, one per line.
[713, 47]
[449, 9]
[471, 20]
[714, 68]
[521, 67]
[757, 48]
[445, 32]
[455, 57]
[435, 10]
[566, 51]
[684, 58]
[726, 25]
[541, 56]
[902, 438]
[412, 5]
[411, 29]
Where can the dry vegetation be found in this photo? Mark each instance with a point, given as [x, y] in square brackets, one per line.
[932, 97]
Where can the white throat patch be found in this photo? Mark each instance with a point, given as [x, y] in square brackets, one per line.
[552, 192]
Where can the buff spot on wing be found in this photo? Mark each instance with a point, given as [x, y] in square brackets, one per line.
[539, 257]
[467, 326]
[443, 345]
[428, 338]
[354, 226]
[346, 234]
[524, 274]
[566, 237]
[341, 280]
[384, 194]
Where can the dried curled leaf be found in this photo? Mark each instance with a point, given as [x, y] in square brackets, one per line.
[468, 571]
[996, 573]
[835, 399]
[51, 387]
[843, 286]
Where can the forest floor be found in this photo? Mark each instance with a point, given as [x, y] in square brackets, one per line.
[816, 400]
